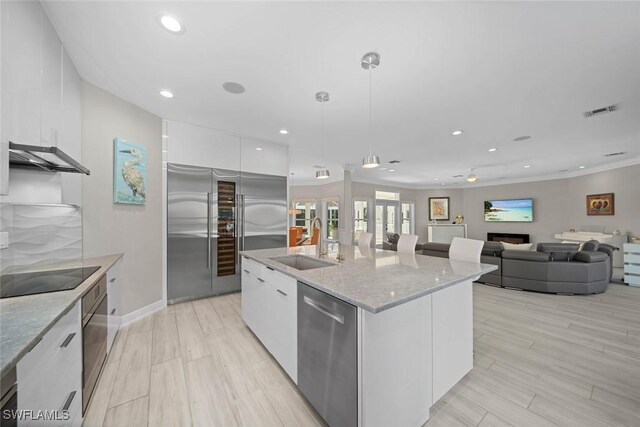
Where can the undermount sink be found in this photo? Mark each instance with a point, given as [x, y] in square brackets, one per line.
[301, 262]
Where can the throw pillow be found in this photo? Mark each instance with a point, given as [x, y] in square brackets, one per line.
[517, 247]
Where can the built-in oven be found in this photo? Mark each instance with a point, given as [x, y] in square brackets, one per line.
[94, 337]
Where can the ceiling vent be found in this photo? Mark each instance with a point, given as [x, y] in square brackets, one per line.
[600, 111]
[619, 153]
[394, 161]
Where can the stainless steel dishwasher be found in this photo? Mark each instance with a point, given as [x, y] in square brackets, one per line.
[327, 356]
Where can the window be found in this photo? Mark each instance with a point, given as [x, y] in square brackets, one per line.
[332, 219]
[360, 218]
[387, 195]
[307, 214]
[408, 224]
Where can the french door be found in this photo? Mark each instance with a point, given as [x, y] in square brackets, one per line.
[387, 214]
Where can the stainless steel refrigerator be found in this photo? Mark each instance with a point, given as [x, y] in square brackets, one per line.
[213, 214]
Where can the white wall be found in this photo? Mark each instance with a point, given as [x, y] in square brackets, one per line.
[558, 204]
[624, 182]
[422, 208]
[135, 230]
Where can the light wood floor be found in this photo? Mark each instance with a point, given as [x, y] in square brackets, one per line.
[539, 360]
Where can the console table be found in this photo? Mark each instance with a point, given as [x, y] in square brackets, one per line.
[631, 264]
[585, 236]
[444, 233]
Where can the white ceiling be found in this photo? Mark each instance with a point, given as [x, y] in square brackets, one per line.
[497, 70]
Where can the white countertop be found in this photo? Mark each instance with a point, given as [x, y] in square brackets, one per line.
[375, 279]
[24, 320]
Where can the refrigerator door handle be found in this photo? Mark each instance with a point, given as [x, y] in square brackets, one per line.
[209, 230]
[243, 219]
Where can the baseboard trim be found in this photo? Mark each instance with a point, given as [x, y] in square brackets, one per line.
[142, 312]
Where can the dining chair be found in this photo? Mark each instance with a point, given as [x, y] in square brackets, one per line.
[407, 243]
[462, 249]
[364, 241]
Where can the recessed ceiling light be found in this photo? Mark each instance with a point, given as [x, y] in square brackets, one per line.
[521, 138]
[527, 166]
[284, 131]
[442, 183]
[258, 149]
[233, 87]
[491, 150]
[582, 167]
[436, 179]
[457, 132]
[392, 170]
[166, 93]
[171, 23]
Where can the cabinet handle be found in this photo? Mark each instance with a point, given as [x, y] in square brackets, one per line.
[67, 403]
[246, 271]
[282, 292]
[67, 340]
[112, 280]
[270, 268]
[260, 280]
[113, 311]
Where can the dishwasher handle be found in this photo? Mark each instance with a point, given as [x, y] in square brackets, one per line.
[324, 310]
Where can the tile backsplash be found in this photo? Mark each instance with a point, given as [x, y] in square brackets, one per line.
[39, 235]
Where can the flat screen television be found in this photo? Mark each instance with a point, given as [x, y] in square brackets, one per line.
[511, 210]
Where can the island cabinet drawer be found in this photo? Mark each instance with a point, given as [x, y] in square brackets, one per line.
[252, 267]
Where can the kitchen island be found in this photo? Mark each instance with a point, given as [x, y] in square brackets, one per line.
[373, 340]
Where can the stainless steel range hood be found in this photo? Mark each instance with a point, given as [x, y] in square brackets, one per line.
[50, 159]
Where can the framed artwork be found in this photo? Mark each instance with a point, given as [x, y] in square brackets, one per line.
[438, 208]
[600, 204]
[129, 172]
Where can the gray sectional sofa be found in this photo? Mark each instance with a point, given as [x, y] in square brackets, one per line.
[554, 267]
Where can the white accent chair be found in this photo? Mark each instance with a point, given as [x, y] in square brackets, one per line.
[364, 241]
[407, 243]
[462, 249]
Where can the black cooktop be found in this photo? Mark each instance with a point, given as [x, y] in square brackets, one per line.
[40, 282]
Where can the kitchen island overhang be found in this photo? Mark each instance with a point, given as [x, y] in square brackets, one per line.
[414, 322]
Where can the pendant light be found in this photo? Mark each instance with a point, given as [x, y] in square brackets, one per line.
[323, 172]
[370, 61]
[292, 209]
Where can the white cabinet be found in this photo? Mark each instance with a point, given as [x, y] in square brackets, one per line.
[50, 375]
[632, 264]
[444, 233]
[269, 308]
[113, 303]
[199, 146]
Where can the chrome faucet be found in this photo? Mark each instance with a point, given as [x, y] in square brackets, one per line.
[321, 250]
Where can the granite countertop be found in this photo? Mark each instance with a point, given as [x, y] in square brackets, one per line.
[374, 279]
[24, 320]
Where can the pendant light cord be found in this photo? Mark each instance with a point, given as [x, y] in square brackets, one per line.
[322, 132]
[370, 109]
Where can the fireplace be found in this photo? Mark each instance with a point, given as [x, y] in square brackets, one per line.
[508, 237]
